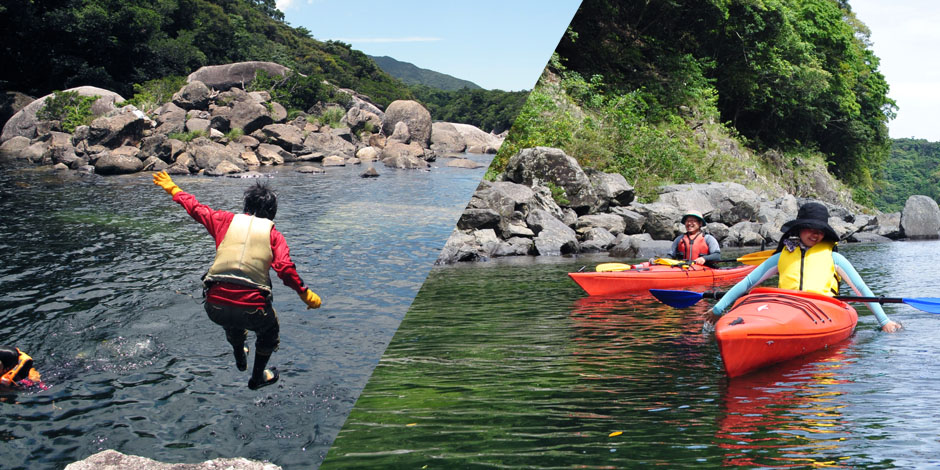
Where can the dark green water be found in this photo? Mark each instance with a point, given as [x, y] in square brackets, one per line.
[510, 365]
[100, 283]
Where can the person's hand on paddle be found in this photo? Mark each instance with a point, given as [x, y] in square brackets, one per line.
[163, 180]
[699, 261]
[312, 300]
[891, 327]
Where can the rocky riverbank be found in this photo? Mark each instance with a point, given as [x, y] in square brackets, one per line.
[214, 126]
[546, 204]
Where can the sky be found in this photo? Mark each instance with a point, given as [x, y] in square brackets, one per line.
[497, 44]
[904, 34]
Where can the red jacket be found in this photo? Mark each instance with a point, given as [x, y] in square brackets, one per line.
[217, 222]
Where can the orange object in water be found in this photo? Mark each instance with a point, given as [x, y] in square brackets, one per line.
[771, 325]
[656, 277]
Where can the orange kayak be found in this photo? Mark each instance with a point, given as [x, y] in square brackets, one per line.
[656, 277]
[771, 325]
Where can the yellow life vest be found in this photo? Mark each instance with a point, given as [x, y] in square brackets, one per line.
[23, 361]
[244, 257]
[812, 270]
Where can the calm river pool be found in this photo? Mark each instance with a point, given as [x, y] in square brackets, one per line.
[508, 364]
[100, 284]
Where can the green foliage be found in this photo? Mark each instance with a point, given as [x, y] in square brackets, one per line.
[234, 134]
[914, 168]
[113, 45]
[187, 136]
[558, 193]
[69, 108]
[153, 93]
[413, 75]
[295, 91]
[490, 110]
[331, 117]
[786, 74]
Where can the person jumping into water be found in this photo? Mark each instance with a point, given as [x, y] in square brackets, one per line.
[238, 284]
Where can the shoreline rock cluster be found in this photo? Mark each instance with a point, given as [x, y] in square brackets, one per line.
[237, 130]
[595, 212]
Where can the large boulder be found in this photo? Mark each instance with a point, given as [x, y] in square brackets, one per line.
[114, 460]
[553, 236]
[24, 122]
[728, 203]
[240, 74]
[327, 144]
[126, 127]
[920, 218]
[477, 140]
[12, 102]
[445, 138]
[612, 189]
[539, 165]
[194, 95]
[415, 116]
[118, 162]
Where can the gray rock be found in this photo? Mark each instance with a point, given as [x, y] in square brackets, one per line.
[24, 122]
[334, 160]
[868, 237]
[464, 163]
[920, 219]
[476, 219]
[240, 74]
[612, 189]
[127, 127]
[14, 147]
[446, 138]
[285, 136]
[662, 219]
[117, 164]
[539, 165]
[170, 118]
[224, 168]
[193, 95]
[612, 223]
[633, 221]
[400, 133]
[597, 240]
[114, 460]
[414, 115]
[553, 237]
[327, 143]
[270, 154]
[370, 172]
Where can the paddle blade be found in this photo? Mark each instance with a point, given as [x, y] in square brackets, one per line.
[677, 298]
[926, 304]
[608, 267]
[756, 258]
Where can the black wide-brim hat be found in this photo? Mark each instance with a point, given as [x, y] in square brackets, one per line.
[811, 215]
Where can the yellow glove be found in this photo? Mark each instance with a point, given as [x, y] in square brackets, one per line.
[312, 300]
[163, 180]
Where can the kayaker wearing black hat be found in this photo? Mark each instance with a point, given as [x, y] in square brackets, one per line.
[806, 260]
[695, 245]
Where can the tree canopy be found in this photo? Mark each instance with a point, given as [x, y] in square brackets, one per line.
[788, 74]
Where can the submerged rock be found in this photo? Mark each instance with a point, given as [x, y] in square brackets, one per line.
[114, 460]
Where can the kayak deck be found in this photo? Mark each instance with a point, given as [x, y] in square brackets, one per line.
[770, 325]
[656, 277]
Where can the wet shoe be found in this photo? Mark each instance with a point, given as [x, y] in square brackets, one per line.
[241, 360]
[270, 378]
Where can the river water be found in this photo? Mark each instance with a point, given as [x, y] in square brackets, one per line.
[100, 284]
[508, 364]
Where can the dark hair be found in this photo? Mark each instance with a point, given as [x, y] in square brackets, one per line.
[261, 201]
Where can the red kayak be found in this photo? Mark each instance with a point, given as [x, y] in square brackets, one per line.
[656, 277]
[771, 325]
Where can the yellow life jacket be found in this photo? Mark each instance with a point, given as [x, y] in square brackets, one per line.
[244, 257]
[812, 270]
[9, 377]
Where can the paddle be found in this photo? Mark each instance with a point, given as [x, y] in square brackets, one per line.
[685, 298]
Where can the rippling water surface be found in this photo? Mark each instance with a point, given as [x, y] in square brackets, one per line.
[101, 285]
[510, 365]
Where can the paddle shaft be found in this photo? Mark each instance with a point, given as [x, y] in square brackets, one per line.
[845, 298]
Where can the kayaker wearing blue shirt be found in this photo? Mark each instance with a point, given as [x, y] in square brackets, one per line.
[805, 260]
[695, 245]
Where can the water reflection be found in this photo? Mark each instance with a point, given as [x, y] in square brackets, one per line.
[790, 415]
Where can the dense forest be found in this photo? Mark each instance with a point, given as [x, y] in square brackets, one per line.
[790, 77]
[913, 168]
[414, 75]
[58, 44]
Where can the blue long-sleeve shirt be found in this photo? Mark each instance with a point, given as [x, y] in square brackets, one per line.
[768, 269]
